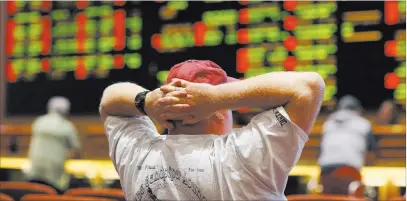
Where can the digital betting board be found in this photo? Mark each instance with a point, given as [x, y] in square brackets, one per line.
[76, 49]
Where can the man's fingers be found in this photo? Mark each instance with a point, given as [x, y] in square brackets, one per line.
[177, 108]
[180, 94]
[179, 82]
[175, 85]
[169, 88]
[169, 100]
[190, 121]
[177, 116]
[175, 82]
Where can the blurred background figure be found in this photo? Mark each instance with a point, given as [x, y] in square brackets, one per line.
[54, 139]
[346, 139]
[388, 113]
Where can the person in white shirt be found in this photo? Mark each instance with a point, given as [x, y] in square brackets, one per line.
[347, 141]
[202, 157]
[53, 139]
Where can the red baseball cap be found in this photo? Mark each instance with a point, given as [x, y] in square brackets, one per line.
[199, 71]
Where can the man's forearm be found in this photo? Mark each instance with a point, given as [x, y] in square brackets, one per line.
[301, 93]
[118, 100]
[268, 90]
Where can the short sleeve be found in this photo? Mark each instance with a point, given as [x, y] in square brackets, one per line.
[73, 139]
[125, 133]
[268, 147]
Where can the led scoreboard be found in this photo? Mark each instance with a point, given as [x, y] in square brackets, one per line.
[76, 49]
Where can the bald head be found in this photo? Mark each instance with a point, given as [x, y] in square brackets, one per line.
[59, 104]
[350, 103]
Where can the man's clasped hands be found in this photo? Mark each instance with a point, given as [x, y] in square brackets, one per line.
[181, 100]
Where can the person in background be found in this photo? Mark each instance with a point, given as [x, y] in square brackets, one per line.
[388, 113]
[202, 157]
[53, 139]
[347, 142]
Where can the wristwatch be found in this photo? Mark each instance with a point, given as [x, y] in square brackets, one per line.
[140, 100]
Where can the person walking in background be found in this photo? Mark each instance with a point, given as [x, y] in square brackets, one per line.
[53, 139]
[202, 157]
[347, 142]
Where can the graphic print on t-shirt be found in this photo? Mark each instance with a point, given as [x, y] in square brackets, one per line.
[169, 180]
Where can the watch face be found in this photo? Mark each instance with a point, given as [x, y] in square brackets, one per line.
[138, 99]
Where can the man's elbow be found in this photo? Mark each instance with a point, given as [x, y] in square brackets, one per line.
[314, 86]
[103, 103]
[310, 93]
[103, 114]
[112, 92]
[106, 100]
[316, 83]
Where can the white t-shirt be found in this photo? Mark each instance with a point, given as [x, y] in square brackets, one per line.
[345, 139]
[250, 163]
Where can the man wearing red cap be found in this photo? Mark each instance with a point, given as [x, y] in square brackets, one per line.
[202, 157]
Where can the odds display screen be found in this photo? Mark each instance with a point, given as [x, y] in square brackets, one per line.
[76, 49]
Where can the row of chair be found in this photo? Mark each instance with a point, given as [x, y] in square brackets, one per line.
[48, 197]
[24, 191]
[39, 197]
[33, 191]
[327, 197]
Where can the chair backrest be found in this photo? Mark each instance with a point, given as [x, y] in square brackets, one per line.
[4, 197]
[348, 172]
[39, 197]
[103, 192]
[16, 190]
[324, 197]
[339, 182]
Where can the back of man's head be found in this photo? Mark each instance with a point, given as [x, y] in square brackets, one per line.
[59, 104]
[201, 71]
[349, 102]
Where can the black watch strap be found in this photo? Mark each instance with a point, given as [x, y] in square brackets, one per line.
[139, 101]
